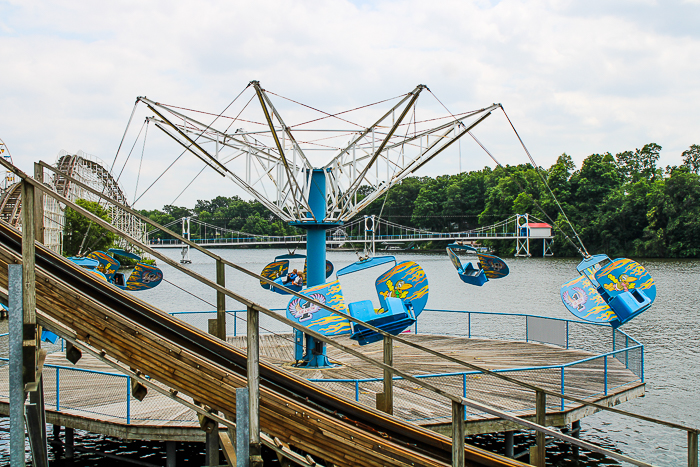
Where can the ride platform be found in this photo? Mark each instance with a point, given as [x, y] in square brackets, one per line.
[92, 397]
[586, 376]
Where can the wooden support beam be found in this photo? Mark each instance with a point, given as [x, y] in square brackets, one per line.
[541, 411]
[36, 429]
[227, 447]
[510, 444]
[388, 396]
[692, 449]
[39, 204]
[29, 331]
[212, 447]
[170, 453]
[242, 428]
[457, 435]
[220, 301]
[41, 358]
[284, 462]
[69, 445]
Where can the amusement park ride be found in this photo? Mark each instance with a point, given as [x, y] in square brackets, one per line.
[273, 164]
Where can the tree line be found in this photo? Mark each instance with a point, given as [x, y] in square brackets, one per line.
[621, 205]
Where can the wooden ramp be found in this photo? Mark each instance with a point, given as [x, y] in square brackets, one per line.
[316, 420]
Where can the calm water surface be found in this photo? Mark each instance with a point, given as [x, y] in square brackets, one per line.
[669, 332]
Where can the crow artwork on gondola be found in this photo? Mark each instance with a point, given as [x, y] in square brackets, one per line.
[609, 291]
[488, 266]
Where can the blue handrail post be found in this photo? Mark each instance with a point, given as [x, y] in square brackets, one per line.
[627, 356]
[642, 368]
[128, 400]
[605, 376]
[562, 387]
[357, 390]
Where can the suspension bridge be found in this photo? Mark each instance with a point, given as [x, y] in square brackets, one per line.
[370, 231]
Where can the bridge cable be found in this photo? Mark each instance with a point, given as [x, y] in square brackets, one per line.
[583, 252]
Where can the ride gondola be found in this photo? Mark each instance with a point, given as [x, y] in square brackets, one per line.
[609, 291]
[488, 266]
[278, 271]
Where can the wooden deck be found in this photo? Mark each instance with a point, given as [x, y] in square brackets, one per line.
[97, 403]
[412, 403]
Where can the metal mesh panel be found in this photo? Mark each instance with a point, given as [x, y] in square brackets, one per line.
[492, 326]
[86, 392]
[590, 337]
[549, 331]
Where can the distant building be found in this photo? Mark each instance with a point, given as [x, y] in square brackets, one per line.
[536, 230]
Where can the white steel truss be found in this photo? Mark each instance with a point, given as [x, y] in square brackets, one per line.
[272, 165]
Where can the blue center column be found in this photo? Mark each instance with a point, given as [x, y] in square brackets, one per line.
[315, 351]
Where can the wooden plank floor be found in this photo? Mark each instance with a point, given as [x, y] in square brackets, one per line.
[102, 397]
[422, 407]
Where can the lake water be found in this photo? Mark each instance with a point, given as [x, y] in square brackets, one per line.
[668, 331]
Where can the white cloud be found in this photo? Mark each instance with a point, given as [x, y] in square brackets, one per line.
[580, 77]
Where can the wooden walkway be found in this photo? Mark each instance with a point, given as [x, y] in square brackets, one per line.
[98, 402]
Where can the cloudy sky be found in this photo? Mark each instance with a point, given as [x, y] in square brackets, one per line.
[576, 77]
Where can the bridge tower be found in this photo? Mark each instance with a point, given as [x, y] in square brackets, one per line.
[522, 235]
[289, 175]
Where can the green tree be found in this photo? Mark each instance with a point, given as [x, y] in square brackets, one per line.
[641, 163]
[465, 198]
[691, 158]
[674, 218]
[79, 230]
[428, 209]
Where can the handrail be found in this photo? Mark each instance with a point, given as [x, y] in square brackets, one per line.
[255, 307]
